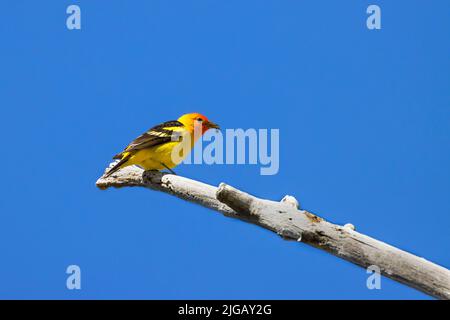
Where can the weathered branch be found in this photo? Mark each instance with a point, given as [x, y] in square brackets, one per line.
[288, 221]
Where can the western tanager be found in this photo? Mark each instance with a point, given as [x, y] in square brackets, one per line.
[154, 149]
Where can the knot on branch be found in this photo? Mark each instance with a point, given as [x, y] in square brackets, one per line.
[290, 201]
[153, 177]
[349, 226]
[237, 200]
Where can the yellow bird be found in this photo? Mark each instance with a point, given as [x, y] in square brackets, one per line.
[155, 149]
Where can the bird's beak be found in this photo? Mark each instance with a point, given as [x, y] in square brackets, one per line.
[212, 125]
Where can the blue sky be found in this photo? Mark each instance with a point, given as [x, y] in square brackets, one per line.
[364, 138]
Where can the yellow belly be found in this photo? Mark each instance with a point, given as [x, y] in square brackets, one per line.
[158, 157]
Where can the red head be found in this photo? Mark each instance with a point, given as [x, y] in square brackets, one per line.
[197, 120]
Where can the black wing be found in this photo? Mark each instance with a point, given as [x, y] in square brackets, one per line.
[154, 136]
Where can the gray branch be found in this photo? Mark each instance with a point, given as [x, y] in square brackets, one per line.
[291, 223]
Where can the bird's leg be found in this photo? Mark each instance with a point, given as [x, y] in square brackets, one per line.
[171, 171]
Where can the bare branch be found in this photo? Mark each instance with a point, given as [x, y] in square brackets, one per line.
[285, 219]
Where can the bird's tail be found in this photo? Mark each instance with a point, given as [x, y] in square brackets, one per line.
[118, 165]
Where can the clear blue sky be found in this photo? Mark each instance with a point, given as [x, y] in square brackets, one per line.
[364, 119]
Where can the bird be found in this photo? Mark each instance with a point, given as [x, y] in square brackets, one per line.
[154, 149]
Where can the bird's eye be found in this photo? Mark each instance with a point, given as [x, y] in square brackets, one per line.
[199, 119]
